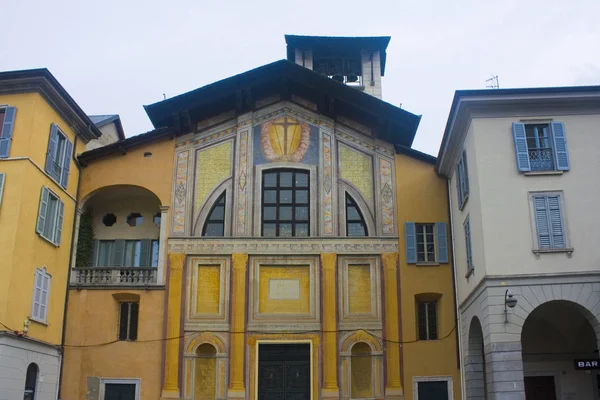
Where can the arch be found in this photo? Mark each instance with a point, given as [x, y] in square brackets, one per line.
[31, 379]
[195, 341]
[133, 190]
[360, 336]
[361, 371]
[216, 219]
[224, 188]
[205, 372]
[346, 188]
[354, 216]
[475, 381]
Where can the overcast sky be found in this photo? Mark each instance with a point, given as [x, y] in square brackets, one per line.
[115, 56]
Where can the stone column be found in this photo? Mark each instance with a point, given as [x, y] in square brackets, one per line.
[504, 370]
[162, 241]
[171, 383]
[393, 387]
[330, 356]
[238, 325]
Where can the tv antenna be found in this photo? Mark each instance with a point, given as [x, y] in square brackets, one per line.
[493, 82]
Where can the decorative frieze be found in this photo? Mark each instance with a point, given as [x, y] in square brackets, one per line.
[181, 173]
[387, 195]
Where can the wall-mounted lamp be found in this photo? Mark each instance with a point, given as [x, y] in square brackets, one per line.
[509, 302]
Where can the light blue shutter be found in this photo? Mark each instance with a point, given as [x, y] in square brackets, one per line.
[146, 253]
[520, 138]
[410, 238]
[59, 222]
[92, 261]
[561, 153]
[442, 242]
[465, 175]
[2, 179]
[458, 185]
[118, 253]
[541, 222]
[42, 211]
[468, 244]
[52, 143]
[64, 179]
[556, 223]
[7, 129]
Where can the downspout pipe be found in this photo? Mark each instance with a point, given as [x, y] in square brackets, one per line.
[73, 251]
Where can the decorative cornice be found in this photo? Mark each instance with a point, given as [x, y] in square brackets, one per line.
[283, 246]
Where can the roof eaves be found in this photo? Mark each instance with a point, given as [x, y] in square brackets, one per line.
[415, 154]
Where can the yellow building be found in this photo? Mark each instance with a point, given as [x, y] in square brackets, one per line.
[41, 131]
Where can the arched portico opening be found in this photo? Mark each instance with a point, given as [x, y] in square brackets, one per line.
[555, 336]
[475, 382]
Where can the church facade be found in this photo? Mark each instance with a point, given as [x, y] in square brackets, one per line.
[299, 250]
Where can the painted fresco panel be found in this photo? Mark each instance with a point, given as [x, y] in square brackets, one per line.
[286, 139]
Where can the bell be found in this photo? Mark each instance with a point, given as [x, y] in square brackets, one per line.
[338, 77]
[352, 78]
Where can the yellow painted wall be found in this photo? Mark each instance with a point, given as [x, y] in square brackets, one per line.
[422, 197]
[92, 318]
[23, 250]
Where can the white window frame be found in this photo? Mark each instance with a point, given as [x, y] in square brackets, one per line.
[131, 381]
[43, 273]
[534, 234]
[417, 379]
[468, 245]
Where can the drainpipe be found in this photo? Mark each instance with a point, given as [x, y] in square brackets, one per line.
[456, 310]
[73, 233]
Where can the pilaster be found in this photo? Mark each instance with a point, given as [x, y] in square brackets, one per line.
[238, 308]
[393, 387]
[330, 356]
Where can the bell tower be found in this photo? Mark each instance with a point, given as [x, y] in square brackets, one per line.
[358, 62]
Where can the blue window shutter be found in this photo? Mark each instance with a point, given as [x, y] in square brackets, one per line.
[410, 238]
[52, 143]
[146, 253]
[42, 210]
[468, 244]
[2, 180]
[458, 185]
[94, 254]
[7, 130]
[442, 242]
[557, 233]
[561, 154]
[118, 253]
[465, 176]
[541, 222]
[59, 222]
[64, 179]
[520, 138]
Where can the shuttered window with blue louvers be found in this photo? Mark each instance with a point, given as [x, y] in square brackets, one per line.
[58, 157]
[540, 147]
[549, 221]
[469, 251]
[7, 122]
[461, 176]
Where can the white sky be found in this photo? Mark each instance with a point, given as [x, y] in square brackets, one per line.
[115, 56]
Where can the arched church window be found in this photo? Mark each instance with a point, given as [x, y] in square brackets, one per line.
[361, 368]
[31, 381]
[285, 203]
[355, 223]
[215, 223]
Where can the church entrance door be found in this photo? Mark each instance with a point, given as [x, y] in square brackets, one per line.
[284, 371]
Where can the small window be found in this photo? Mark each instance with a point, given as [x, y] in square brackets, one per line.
[31, 379]
[427, 320]
[41, 293]
[541, 147]
[285, 203]
[50, 216]
[128, 321]
[433, 389]
[125, 253]
[355, 223]
[58, 157]
[109, 219]
[462, 180]
[215, 223]
[549, 221]
[425, 243]
[135, 219]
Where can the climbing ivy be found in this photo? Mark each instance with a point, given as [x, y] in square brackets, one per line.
[85, 241]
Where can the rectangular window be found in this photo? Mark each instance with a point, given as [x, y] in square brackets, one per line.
[427, 320]
[58, 157]
[126, 253]
[285, 203]
[462, 180]
[41, 291]
[119, 389]
[434, 389]
[549, 221]
[468, 248]
[425, 243]
[128, 321]
[50, 216]
[7, 122]
[541, 147]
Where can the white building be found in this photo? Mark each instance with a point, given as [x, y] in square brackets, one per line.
[523, 168]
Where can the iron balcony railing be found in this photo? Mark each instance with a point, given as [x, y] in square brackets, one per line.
[541, 159]
[114, 276]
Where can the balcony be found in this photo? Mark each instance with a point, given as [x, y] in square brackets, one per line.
[114, 276]
[541, 159]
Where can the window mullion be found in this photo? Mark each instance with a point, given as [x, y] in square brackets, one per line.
[128, 320]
